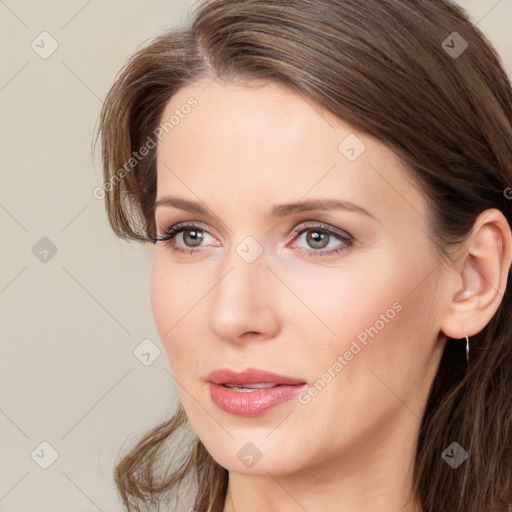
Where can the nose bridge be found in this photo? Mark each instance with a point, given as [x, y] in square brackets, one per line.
[244, 278]
[242, 298]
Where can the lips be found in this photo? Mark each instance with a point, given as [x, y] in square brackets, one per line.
[251, 392]
[251, 376]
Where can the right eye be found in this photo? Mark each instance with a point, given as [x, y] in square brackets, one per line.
[187, 232]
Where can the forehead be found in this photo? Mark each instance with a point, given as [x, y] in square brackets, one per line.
[260, 141]
[260, 117]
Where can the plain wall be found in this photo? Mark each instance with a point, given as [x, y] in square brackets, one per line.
[70, 321]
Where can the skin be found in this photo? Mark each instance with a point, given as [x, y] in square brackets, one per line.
[240, 151]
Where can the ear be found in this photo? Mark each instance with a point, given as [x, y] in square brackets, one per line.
[481, 272]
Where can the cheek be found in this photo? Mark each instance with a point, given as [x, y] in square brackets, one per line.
[376, 316]
[363, 292]
[168, 298]
[178, 311]
[388, 337]
[358, 301]
[160, 297]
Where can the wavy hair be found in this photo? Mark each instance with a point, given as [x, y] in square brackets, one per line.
[396, 70]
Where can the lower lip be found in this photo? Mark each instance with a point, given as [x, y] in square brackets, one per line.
[251, 403]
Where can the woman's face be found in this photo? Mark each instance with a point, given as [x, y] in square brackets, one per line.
[344, 296]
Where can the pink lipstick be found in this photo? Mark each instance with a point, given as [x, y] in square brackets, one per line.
[251, 392]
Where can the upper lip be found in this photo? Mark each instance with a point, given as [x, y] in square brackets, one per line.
[250, 376]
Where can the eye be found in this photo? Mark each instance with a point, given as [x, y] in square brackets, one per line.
[187, 238]
[191, 236]
[319, 237]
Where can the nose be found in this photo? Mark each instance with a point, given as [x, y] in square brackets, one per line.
[242, 305]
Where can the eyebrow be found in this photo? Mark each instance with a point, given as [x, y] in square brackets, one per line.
[281, 210]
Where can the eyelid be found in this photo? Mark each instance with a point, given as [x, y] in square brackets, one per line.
[308, 225]
[183, 226]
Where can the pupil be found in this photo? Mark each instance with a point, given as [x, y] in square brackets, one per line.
[196, 236]
[315, 239]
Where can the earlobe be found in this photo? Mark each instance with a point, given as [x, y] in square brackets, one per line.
[483, 269]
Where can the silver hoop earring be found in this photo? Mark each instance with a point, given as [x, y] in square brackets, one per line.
[467, 349]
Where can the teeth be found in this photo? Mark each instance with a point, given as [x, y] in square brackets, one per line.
[250, 387]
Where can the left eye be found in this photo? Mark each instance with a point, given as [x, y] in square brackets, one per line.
[318, 238]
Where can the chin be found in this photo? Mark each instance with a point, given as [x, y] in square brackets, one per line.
[255, 457]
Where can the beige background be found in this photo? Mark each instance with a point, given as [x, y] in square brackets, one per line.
[69, 325]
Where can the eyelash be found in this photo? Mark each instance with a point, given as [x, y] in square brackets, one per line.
[175, 230]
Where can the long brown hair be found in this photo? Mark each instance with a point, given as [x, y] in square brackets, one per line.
[421, 78]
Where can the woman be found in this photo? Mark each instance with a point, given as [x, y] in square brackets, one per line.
[327, 185]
